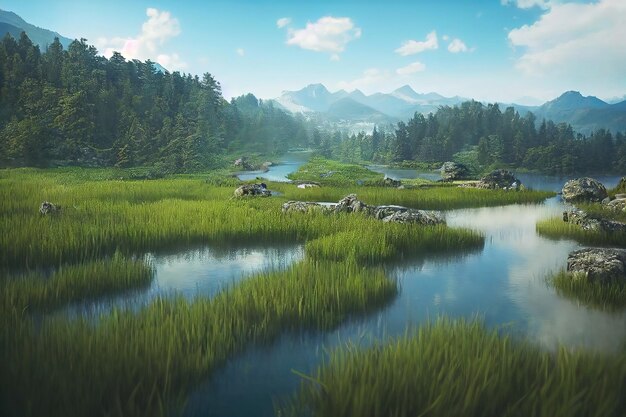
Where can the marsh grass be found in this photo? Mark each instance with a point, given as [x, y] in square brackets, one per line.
[335, 173]
[556, 228]
[129, 363]
[610, 296]
[459, 368]
[70, 283]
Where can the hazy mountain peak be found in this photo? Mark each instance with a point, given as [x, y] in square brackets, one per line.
[407, 91]
[574, 100]
[39, 36]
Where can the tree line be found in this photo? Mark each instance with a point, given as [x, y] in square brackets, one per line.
[76, 107]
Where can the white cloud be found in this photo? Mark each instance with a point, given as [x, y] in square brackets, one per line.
[412, 47]
[445, 38]
[328, 34]
[578, 43]
[411, 68]
[159, 28]
[373, 79]
[240, 51]
[282, 22]
[457, 46]
[527, 4]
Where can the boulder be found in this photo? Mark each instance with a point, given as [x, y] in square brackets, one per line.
[499, 179]
[390, 182]
[49, 208]
[303, 207]
[242, 163]
[598, 265]
[584, 189]
[380, 212]
[617, 205]
[308, 185]
[351, 204]
[453, 171]
[423, 217]
[253, 190]
[588, 222]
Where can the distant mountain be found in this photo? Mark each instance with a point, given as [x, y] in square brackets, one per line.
[359, 107]
[9, 22]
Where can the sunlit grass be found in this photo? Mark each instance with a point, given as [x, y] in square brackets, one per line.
[459, 368]
[136, 364]
[556, 228]
[610, 296]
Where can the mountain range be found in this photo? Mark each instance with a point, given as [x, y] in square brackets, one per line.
[15, 25]
[585, 114]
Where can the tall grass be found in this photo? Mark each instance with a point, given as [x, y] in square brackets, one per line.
[458, 368]
[136, 364]
[610, 296]
[73, 282]
[556, 228]
[335, 173]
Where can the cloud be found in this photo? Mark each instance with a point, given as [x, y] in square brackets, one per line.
[445, 38]
[328, 34]
[282, 22]
[240, 51]
[527, 4]
[580, 43]
[156, 31]
[412, 47]
[411, 68]
[457, 46]
[371, 80]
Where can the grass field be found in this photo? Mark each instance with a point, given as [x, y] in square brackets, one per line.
[605, 296]
[556, 228]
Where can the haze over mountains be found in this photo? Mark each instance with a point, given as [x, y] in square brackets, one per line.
[15, 25]
[585, 114]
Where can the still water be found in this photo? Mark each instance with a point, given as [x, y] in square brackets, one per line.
[278, 172]
[504, 284]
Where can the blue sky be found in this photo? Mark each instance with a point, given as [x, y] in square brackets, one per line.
[490, 50]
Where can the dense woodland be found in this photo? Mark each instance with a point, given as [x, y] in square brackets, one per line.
[76, 107]
[73, 106]
[483, 136]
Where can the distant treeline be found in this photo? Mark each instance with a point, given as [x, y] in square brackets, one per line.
[483, 136]
[76, 107]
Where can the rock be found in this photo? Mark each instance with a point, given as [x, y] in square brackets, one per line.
[303, 207]
[584, 189]
[606, 201]
[599, 265]
[380, 212]
[453, 171]
[499, 179]
[308, 185]
[617, 205]
[423, 217]
[242, 163]
[253, 190]
[49, 208]
[587, 222]
[620, 196]
[350, 204]
[390, 182]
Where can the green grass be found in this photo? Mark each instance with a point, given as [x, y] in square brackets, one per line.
[342, 174]
[556, 228]
[604, 296]
[70, 283]
[137, 364]
[458, 368]
[600, 211]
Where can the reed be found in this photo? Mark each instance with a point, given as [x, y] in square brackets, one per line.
[459, 368]
[556, 228]
[141, 363]
[611, 296]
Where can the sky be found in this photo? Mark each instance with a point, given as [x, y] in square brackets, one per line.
[523, 51]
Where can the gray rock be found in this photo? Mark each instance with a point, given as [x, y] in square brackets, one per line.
[380, 212]
[606, 200]
[598, 265]
[308, 185]
[49, 208]
[351, 204]
[390, 182]
[617, 205]
[423, 217]
[584, 189]
[303, 207]
[253, 190]
[499, 179]
[453, 171]
[588, 222]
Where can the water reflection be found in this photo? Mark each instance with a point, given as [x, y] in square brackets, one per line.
[278, 172]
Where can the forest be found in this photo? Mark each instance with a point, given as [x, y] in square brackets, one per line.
[75, 107]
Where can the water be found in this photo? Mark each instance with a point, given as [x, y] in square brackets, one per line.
[201, 271]
[504, 284]
[279, 171]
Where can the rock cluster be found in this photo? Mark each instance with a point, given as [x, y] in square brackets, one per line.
[242, 163]
[351, 204]
[598, 265]
[48, 208]
[499, 179]
[588, 222]
[253, 190]
[390, 182]
[584, 190]
[453, 171]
